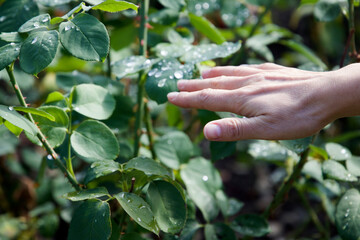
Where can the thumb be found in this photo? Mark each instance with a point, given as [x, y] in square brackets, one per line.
[233, 129]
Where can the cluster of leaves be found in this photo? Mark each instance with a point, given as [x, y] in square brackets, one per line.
[89, 115]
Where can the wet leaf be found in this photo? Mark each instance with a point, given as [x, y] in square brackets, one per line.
[313, 169]
[52, 3]
[87, 194]
[39, 22]
[130, 65]
[251, 225]
[234, 13]
[100, 169]
[268, 151]
[8, 54]
[327, 10]
[148, 166]
[115, 6]
[337, 152]
[298, 145]
[9, 114]
[337, 171]
[353, 165]
[201, 7]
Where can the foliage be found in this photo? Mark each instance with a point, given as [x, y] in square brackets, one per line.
[104, 156]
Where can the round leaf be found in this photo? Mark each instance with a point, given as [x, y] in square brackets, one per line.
[251, 225]
[353, 165]
[8, 54]
[337, 152]
[39, 22]
[115, 6]
[91, 221]
[85, 37]
[337, 171]
[168, 206]
[38, 51]
[148, 166]
[93, 101]
[347, 215]
[327, 10]
[94, 141]
[139, 210]
[100, 169]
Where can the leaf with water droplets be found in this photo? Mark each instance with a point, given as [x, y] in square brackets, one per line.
[234, 13]
[18, 120]
[11, 37]
[337, 152]
[168, 206]
[101, 168]
[162, 78]
[94, 141]
[8, 54]
[91, 221]
[53, 3]
[115, 6]
[313, 169]
[130, 65]
[298, 145]
[39, 22]
[148, 166]
[87, 194]
[268, 151]
[85, 37]
[335, 170]
[139, 210]
[202, 181]
[353, 165]
[251, 225]
[347, 215]
[44, 44]
[201, 7]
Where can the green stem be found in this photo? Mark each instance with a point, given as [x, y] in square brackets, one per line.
[149, 130]
[69, 158]
[144, 8]
[287, 184]
[51, 153]
[353, 51]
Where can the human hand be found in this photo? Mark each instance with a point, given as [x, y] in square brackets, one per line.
[278, 102]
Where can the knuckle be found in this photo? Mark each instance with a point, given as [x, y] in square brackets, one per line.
[234, 128]
[204, 96]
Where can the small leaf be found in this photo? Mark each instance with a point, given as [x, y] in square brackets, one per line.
[38, 51]
[93, 141]
[337, 152]
[39, 22]
[35, 111]
[168, 206]
[174, 4]
[87, 194]
[115, 6]
[91, 221]
[52, 3]
[219, 231]
[189, 230]
[251, 225]
[353, 165]
[100, 169]
[12, 128]
[148, 166]
[234, 13]
[221, 150]
[313, 169]
[8, 54]
[130, 65]
[85, 37]
[207, 28]
[327, 10]
[18, 120]
[347, 215]
[268, 151]
[298, 145]
[93, 101]
[139, 210]
[337, 171]
[54, 97]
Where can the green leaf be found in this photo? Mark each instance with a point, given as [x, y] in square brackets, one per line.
[11, 37]
[35, 111]
[234, 13]
[305, 51]
[115, 6]
[8, 54]
[168, 206]
[220, 150]
[206, 52]
[337, 152]
[268, 151]
[234, 207]
[93, 101]
[148, 166]
[347, 215]
[202, 7]
[18, 120]
[353, 165]
[14, 13]
[67, 80]
[12, 128]
[38, 51]
[167, 154]
[251, 225]
[205, 27]
[91, 221]
[100, 169]
[298, 145]
[54, 97]
[54, 131]
[139, 210]
[260, 2]
[337, 171]
[313, 169]
[163, 77]
[174, 4]
[52, 3]
[85, 37]
[165, 16]
[93, 141]
[87, 194]
[327, 10]
[8, 141]
[39, 22]
[219, 231]
[130, 65]
[202, 181]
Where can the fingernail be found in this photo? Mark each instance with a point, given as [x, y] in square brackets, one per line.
[171, 96]
[181, 84]
[212, 131]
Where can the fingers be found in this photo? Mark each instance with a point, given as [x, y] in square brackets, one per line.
[209, 99]
[234, 129]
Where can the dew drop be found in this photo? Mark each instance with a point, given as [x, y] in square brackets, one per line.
[17, 49]
[34, 40]
[76, 108]
[103, 215]
[158, 74]
[205, 178]
[36, 24]
[139, 219]
[162, 82]
[12, 44]
[49, 157]
[164, 53]
[95, 220]
[11, 108]
[142, 207]
[2, 18]
[45, 20]
[67, 28]
[178, 74]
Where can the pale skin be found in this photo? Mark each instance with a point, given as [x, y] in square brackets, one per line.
[278, 102]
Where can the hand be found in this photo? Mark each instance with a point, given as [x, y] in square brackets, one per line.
[278, 102]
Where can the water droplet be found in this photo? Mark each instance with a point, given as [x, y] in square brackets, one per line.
[77, 29]
[45, 20]
[36, 25]
[103, 214]
[95, 220]
[164, 53]
[158, 74]
[122, 195]
[17, 49]
[49, 157]
[12, 44]
[139, 219]
[11, 108]
[178, 74]
[34, 40]
[128, 200]
[350, 203]
[205, 5]
[76, 108]
[345, 226]
[2, 18]
[162, 82]
[142, 207]
[205, 178]
[27, 8]
[152, 72]
[67, 28]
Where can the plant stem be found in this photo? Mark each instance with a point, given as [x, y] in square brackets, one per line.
[51, 153]
[144, 8]
[69, 159]
[287, 184]
[353, 51]
[149, 130]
